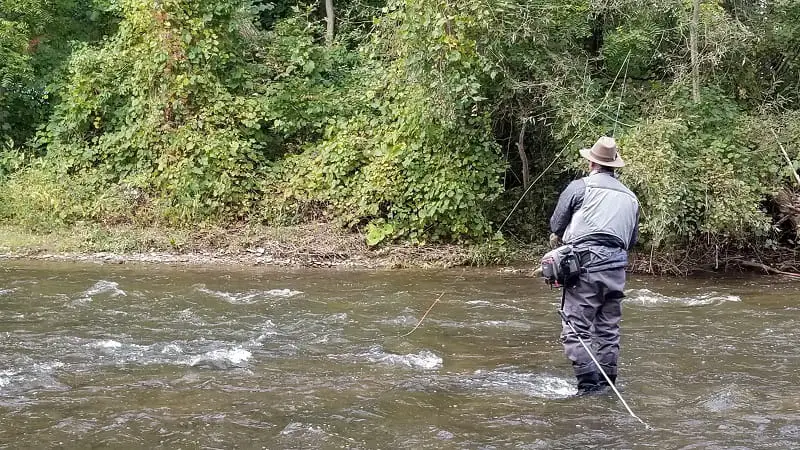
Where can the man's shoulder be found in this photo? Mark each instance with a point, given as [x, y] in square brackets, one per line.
[629, 190]
[615, 183]
[577, 185]
[574, 190]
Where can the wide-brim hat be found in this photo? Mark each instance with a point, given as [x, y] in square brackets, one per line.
[604, 152]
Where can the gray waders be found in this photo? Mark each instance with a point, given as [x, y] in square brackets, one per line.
[593, 308]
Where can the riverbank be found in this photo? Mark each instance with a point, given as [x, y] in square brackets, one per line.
[325, 245]
[311, 245]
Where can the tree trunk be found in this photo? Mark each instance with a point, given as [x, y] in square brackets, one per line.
[693, 25]
[330, 17]
[526, 177]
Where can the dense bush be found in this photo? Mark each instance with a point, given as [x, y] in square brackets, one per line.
[420, 121]
[40, 199]
[699, 173]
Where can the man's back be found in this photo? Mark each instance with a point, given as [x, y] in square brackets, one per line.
[597, 209]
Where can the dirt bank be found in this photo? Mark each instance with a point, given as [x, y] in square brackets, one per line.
[313, 245]
[325, 245]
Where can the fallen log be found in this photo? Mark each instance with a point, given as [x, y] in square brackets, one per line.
[765, 268]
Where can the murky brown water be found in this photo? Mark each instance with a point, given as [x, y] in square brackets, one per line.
[159, 357]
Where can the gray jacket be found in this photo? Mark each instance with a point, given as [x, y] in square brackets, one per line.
[607, 227]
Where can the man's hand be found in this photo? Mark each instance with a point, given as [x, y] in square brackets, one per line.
[555, 241]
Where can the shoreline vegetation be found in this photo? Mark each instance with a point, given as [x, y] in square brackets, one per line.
[395, 133]
[323, 245]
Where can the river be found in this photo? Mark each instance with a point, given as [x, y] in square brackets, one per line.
[155, 356]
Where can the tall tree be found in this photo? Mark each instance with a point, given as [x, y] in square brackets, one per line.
[330, 17]
[695, 22]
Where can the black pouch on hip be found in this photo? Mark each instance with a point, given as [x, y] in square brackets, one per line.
[561, 267]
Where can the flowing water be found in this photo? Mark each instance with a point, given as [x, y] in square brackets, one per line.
[100, 356]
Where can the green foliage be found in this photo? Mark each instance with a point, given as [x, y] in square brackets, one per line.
[406, 126]
[38, 198]
[766, 70]
[36, 37]
[305, 83]
[11, 159]
[15, 71]
[15, 66]
[408, 177]
[414, 162]
[698, 174]
[490, 252]
[167, 97]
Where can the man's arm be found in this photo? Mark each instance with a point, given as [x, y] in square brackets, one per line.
[635, 235]
[569, 201]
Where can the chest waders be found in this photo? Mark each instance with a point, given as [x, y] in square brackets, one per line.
[591, 354]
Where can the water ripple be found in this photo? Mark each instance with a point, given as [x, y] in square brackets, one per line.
[424, 359]
[647, 297]
[249, 297]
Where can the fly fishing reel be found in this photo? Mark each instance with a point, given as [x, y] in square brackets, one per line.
[561, 267]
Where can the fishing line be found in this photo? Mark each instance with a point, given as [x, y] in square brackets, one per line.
[621, 95]
[594, 114]
[419, 323]
[424, 315]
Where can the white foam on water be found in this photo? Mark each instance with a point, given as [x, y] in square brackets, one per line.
[513, 324]
[711, 299]
[187, 315]
[425, 359]
[108, 343]
[479, 303]
[221, 358]
[172, 349]
[324, 339]
[263, 336]
[488, 304]
[337, 318]
[298, 427]
[647, 297]
[729, 398]
[7, 291]
[268, 329]
[48, 366]
[237, 355]
[235, 298]
[444, 435]
[531, 384]
[76, 426]
[400, 320]
[105, 287]
[282, 293]
[249, 297]
[171, 352]
[38, 376]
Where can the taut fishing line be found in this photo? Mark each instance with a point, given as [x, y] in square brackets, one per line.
[594, 114]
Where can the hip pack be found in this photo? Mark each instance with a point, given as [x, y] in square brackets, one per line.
[561, 267]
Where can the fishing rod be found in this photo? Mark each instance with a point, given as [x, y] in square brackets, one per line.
[621, 95]
[594, 114]
[594, 359]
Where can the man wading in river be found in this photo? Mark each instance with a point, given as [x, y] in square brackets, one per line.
[598, 216]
